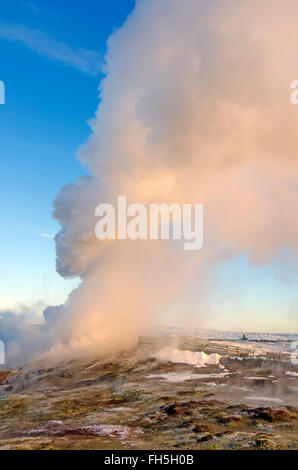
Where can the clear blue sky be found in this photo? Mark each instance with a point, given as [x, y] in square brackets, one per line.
[51, 62]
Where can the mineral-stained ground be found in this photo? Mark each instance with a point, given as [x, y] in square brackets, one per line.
[137, 402]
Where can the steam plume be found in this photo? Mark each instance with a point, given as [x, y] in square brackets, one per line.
[195, 108]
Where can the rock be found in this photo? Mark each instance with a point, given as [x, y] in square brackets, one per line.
[264, 442]
[184, 407]
[209, 403]
[58, 428]
[204, 438]
[218, 435]
[201, 429]
[292, 409]
[222, 434]
[179, 408]
[270, 414]
[236, 407]
[226, 419]
[4, 374]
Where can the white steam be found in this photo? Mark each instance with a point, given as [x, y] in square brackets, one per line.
[195, 358]
[195, 108]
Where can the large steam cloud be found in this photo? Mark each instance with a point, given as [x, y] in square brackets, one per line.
[195, 108]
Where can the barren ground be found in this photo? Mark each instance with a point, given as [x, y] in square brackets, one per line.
[104, 404]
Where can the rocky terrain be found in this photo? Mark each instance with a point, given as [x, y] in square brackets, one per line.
[138, 402]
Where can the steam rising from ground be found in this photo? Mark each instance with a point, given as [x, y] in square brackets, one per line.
[195, 108]
[197, 359]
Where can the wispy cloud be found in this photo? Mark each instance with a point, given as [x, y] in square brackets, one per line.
[90, 62]
[47, 235]
[44, 234]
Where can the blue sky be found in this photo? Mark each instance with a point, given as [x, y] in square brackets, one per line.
[52, 53]
[51, 60]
